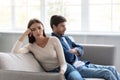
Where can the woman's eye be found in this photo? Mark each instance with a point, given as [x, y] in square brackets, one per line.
[39, 28]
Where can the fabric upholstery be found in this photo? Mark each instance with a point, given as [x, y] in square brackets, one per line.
[24, 75]
[97, 54]
[20, 62]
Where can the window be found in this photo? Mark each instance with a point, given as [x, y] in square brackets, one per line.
[5, 11]
[16, 13]
[82, 15]
[104, 15]
[24, 10]
[70, 9]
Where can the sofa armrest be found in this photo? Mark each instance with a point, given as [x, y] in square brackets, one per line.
[24, 75]
[99, 54]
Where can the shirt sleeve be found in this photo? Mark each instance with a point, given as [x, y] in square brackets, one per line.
[59, 51]
[78, 47]
[18, 49]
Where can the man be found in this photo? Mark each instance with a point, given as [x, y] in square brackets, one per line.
[73, 52]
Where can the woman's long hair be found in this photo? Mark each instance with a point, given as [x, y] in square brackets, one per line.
[31, 37]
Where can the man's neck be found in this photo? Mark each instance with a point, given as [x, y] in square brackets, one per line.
[59, 35]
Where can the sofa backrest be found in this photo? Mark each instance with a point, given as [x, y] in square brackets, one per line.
[102, 54]
[20, 62]
[99, 54]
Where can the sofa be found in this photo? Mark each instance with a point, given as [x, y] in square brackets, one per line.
[26, 67]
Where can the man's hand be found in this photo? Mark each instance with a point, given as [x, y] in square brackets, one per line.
[62, 72]
[74, 51]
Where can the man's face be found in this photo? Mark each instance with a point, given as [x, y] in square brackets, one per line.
[60, 29]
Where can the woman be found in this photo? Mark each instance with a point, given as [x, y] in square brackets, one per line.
[47, 50]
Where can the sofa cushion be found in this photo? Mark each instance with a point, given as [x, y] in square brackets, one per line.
[20, 62]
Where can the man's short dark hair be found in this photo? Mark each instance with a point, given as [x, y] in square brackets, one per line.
[56, 19]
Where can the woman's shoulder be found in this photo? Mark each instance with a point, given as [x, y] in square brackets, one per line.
[53, 38]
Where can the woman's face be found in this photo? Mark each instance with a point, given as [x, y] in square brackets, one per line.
[36, 30]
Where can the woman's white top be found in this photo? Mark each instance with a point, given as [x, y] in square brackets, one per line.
[50, 57]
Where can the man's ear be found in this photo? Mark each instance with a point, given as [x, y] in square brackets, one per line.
[54, 27]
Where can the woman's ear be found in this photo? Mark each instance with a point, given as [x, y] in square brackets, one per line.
[31, 34]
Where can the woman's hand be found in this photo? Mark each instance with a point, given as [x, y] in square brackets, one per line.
[28, 31]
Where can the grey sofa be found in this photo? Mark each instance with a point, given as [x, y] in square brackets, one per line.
[26, 67]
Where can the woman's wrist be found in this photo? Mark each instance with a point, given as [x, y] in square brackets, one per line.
[24, 35]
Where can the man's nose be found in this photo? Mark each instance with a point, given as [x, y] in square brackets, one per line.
[65, 28]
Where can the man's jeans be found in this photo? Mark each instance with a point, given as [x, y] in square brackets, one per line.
[99, 71]
[70, 74]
